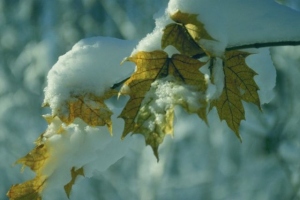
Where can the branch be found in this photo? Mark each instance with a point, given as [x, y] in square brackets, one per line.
[256, 46]
[261, 45]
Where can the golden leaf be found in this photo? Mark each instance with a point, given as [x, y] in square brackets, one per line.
[185, 34]
[35, 159]
[29, 190]
[74, 174]
[194, 27]
[153, 66]
[238, 85]
[90, 108]
[177, 36]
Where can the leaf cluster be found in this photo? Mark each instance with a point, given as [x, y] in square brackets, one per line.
[185, 34]
[159, 84]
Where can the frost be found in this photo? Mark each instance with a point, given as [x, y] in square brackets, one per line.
[166, 93]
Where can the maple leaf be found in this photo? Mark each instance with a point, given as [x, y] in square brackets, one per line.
[29, 190]
[185, 34]
[74, 174]
[90, 108]
[152, 66]
[35, 159]
[238, 85]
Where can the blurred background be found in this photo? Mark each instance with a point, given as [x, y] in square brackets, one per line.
[203, 163]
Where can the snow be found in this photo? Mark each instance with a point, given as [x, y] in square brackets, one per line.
[167, 92]
[215, 89]
[262, 64]
[91, 66]
[164, 95]
[80, 145]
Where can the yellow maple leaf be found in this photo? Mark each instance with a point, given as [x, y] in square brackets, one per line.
[238, 85]
[29, 190]
[36, 158]
[185, 34]
[90, 108]
[152, 66]
[74, 174]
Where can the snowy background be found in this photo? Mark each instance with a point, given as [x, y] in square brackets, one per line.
[199, 163]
